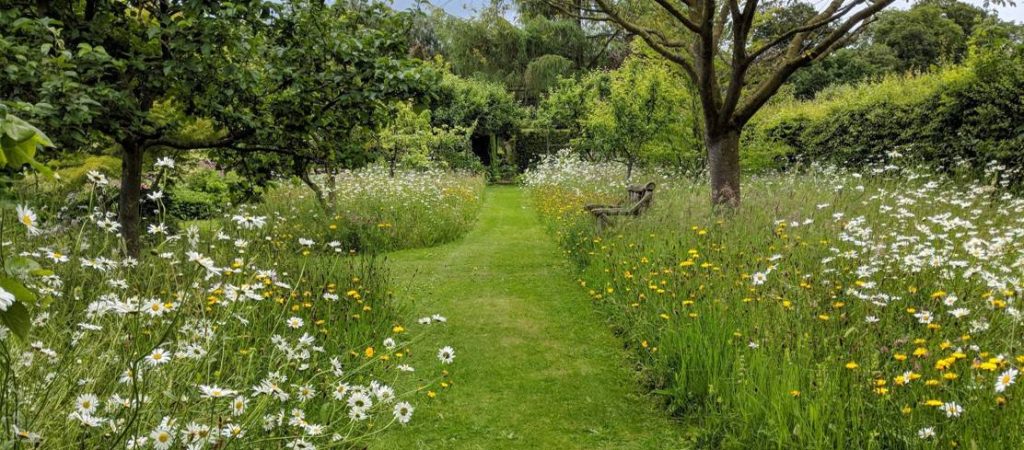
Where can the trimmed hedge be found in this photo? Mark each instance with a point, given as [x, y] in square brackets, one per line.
[962, 117]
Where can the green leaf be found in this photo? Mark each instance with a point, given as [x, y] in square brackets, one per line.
[16, 319]
[20, 265]
[19, 290]
[18, 129]
[41, 272]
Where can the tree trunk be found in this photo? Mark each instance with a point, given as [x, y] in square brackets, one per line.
[304, 176]
[128, 202]
[332, 184]
[724, 167]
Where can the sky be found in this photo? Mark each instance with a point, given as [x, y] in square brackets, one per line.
[466, 8]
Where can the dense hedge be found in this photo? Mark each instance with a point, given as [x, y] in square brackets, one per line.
[962, 117]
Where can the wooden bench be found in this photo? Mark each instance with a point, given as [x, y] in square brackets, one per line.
[640, 197]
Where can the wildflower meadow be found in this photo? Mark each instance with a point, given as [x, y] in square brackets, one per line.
[504, 225]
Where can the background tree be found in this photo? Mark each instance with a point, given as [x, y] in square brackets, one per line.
[712, 42]
[120, 62]
[288, 79]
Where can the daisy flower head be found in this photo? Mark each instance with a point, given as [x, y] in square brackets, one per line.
[295, 323]
[952, 409]
[162, 438]
[158, 357]
[1005, 379]
[446, 355]
[164, 162]
[214, 391]
[403, 412]
[758, 278]
[28, 218]
[359, 401]
[86, 404]
[238, 405]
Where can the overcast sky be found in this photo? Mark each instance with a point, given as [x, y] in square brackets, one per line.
[466, 8]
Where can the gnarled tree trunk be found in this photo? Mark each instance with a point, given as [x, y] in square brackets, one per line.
[724, 167]
[129, 206]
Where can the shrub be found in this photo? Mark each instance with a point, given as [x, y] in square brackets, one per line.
[962, 117]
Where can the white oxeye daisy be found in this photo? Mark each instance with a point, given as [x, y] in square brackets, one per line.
[389, 343]
[86, 404]
[403, 412]
[1005, 379]
[6, 299]
[28, 218]
[157, 357]
[238, 405]
[758, 278]
[157, 228]
[952, 409]
[164, 162]
[359, 401]
[446, 355]
[162, 438]
[294, 323]
[214, 391]
[926, 433]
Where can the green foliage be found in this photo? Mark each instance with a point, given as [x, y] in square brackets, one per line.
[967, 116]
[486, 107]
[411, 140]
[640, 113]
[205, 193]
[845, 66]
[19, 142]
[487, 46]
[73, 169]
[527, 58]
[544, 72]
[931, 33]
[559, 37]
[921, 37]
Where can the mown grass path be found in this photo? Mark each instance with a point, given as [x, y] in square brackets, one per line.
[535, 366]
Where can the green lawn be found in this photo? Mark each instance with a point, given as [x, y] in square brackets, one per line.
[535, 366]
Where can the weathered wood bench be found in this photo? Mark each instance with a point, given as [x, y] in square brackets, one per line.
[640, 198]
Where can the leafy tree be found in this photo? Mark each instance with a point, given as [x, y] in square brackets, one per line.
[410, 139]
[335, 72]
[111, 65]
[845, 66]
[544, 72]
[485, 106]
[712, 43]
[287, 79]
[640, 116]
[921, 37]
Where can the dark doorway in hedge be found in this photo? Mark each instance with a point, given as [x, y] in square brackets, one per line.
[482, 149]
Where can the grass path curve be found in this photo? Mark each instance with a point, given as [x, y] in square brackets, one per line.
[535, 366]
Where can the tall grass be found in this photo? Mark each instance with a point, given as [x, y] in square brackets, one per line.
[370, 211]
[250, 331]
[832, 310]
